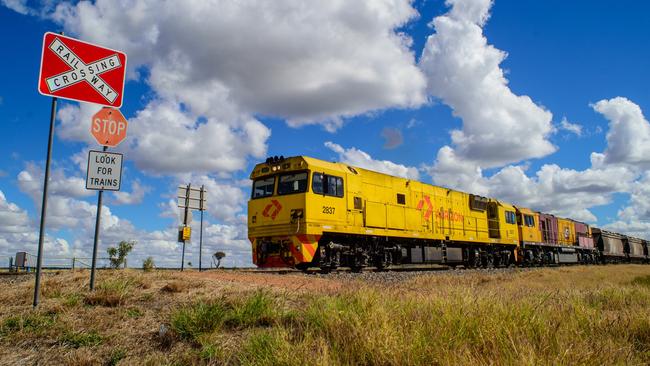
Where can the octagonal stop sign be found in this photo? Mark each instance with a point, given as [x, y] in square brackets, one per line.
[108, 126]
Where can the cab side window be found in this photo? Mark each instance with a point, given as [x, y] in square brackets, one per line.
[530, 220]
[511, 217]
[328, 185]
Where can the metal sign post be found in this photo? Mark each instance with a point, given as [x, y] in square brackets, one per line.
[201, 230]
[104, 170]
[187, 208]
[191, 199]
[41, 231]
[96, 238]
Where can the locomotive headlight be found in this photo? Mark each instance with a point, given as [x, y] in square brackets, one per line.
[297, 213]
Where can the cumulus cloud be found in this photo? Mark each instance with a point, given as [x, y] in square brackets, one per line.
[19, 6]
[499, 127]
[356, 157]
[74, 122]
[453, 171]
[18, 233]
[565, 192]
[284, 59]
[628, 138]
[165, 138]
[30, 181]
[67, 210]
[138, 190]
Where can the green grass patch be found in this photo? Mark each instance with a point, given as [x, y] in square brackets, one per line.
[192, 321]
[116, 356]
[72, 299]
[29, 323]
[80, 339]
[256, 310]
[111, 292]
[204, 317]
[133, 313]
[642, 281]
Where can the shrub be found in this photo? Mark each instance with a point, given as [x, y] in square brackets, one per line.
[148, 264]
[117, 256]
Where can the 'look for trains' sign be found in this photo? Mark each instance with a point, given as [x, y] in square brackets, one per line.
[82, 71]
[104, 171]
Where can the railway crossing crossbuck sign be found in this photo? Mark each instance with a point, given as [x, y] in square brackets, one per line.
[77, 70]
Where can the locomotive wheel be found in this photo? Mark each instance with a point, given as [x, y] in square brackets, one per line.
[302, 267]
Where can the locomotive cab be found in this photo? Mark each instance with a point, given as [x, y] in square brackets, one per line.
[278, 206]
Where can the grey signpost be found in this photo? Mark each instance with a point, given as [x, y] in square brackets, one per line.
[104, 173]
[190, 198]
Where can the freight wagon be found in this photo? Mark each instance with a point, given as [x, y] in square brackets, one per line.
[306, 212]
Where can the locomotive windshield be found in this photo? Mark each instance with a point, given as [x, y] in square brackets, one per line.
[292, 183]
[263, 187]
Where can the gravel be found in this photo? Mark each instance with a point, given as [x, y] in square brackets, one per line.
[400, 275]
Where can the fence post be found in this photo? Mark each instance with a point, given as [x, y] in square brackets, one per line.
[73, 260]
[124, 263]
[11, 264]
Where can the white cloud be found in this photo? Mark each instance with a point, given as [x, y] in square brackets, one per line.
[19, 233]
[165, 138]
[457, 173]
[574, 128]
[308, 64]
[361, 159]
[138, 190]
[74, 122]
[30, 181]
[560, 191]
[13, 218]
[463, 70]
[19, 6]
[628, 138]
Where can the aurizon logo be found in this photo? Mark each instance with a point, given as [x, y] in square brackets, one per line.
[272, 209]
[426, 200]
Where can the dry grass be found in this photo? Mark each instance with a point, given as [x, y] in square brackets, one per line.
[562, 316]
[175, 286]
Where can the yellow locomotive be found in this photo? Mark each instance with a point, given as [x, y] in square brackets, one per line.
[307, 212]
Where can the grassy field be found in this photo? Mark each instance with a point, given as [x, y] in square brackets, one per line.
[566, 316]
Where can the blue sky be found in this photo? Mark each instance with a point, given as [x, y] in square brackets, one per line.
[544, 101]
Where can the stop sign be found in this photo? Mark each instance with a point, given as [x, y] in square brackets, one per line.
[108, 127]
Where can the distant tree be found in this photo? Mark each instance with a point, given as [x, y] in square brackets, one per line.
[189, 264]
[217, 257]
[117, 256]
[148, 264]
